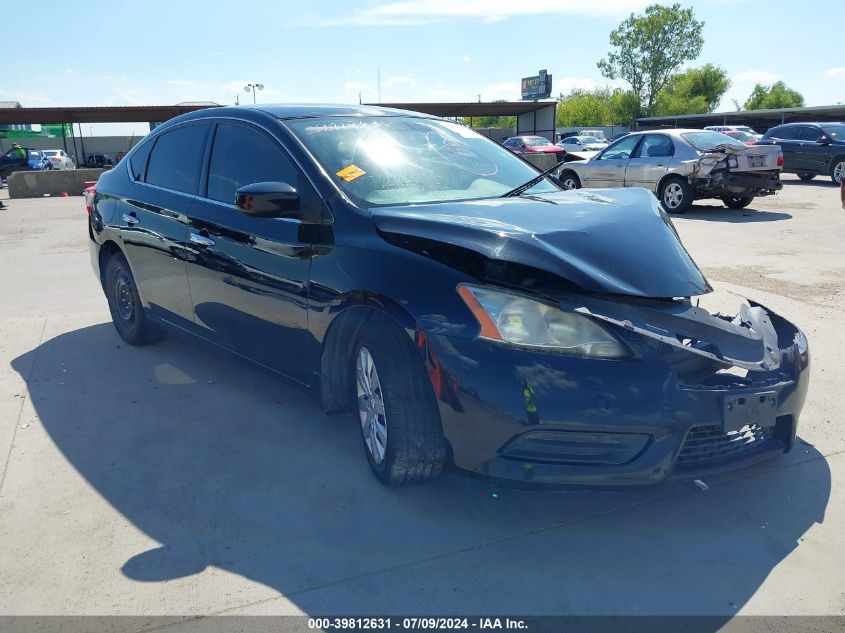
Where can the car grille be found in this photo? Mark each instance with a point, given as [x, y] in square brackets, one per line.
[708, 446]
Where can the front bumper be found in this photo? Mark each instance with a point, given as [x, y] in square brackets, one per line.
[553, 419]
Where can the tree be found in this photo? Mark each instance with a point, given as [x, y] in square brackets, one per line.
[490, 121]
[602, 106]
[692, 91]
[778, 95]
[651, 47]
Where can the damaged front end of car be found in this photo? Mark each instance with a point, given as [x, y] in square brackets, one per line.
[732, 171]
[589, 362]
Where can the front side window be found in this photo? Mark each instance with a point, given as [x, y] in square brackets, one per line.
[621, 149]
[176, 159]
[241, 156]
[834, 132]
[400, 160]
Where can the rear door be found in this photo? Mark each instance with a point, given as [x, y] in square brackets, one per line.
[249, 275]
[650, 161]
[153, 219]
[608, 168]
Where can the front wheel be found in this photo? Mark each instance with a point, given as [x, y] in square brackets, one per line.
[127, 311]
[400, 424]
[837, 171]
[569, 180]
[737, 202]
[676, 195]
[806, 177]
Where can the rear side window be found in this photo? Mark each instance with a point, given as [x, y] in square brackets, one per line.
[176, 159]
[785, 133]
[138, 161]
[810, 134]
[242, 155]
[655, 146]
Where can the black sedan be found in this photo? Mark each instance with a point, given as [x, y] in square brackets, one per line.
[454, 299]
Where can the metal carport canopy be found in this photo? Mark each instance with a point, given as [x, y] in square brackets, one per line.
[760, 120]
[471, 108]
[95, 114]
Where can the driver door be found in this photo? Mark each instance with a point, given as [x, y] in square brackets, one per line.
[608, 168]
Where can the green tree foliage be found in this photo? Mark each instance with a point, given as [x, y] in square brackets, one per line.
[778, 95]
[602, 106]
[649, 48]
[692, 91]
[490, 121]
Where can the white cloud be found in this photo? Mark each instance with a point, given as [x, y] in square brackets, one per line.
[835, 73]
[502, 90]
[418, 12]
[397, 81]
[742, 83]
[180, 82]
[568, 84]
[467, 58]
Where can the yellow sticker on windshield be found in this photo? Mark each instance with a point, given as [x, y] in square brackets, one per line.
[350, 173]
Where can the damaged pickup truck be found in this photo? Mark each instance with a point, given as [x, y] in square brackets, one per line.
[460, 305]
[681, 166]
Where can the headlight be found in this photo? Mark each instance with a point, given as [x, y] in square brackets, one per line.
[515, 319]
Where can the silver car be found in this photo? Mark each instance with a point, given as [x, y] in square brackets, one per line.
[680, 166]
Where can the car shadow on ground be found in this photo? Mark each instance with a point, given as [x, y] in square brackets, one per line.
[713, 213]
[818, 181]
[227, 466]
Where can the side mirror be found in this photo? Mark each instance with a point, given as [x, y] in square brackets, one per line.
[268, 200]
[823, 140]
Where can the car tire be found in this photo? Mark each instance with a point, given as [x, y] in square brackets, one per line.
[127, 312]
[837, 170]
[675, 195]
[737, 202]
[569, 180]
[806, 177]
[396, 407]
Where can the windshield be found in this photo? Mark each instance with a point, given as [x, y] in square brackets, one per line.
[705, 141]
[534, 141]
[835, 132]
[380, 161]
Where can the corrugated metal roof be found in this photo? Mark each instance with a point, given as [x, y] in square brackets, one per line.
[10, 104]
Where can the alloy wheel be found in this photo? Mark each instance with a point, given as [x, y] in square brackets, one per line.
[371, 406]
[673, 195]
[569, 183]
[839, 171]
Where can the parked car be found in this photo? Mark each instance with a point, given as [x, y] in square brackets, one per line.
[581, 144]
[450, 297]
[734, 128]
[20, 159]
[597, 134]
[811, 149]
[99, 160]
[842, 192]
[680, 166]
[534, 145]
[617, 136]
[741, 136]
[58, 159]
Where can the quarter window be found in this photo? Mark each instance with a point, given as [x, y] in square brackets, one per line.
[176, 159]
[138, 161]
[241, 156]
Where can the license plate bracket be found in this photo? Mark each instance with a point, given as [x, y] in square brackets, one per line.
[758, 408]
[756, 161]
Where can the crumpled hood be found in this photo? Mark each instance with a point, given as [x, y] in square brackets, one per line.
[617, 242]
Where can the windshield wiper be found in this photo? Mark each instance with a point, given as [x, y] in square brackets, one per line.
[525, 187]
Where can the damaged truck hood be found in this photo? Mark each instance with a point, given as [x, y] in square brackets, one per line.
[617, 242]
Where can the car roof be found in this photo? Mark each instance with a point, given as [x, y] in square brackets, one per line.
[819, 123]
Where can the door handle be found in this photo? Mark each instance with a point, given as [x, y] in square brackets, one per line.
[130, 219]
[200, 240]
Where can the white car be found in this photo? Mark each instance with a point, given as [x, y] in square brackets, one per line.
[732, 128]
[581, 144]
[57, 159]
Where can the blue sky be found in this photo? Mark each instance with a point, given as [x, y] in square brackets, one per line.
[157, 52]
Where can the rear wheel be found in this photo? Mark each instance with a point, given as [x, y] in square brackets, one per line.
[676, 195]
[737, 202]
[127, 312]
[837, 170]
[400, 424]
[569, 180]
[806, 177]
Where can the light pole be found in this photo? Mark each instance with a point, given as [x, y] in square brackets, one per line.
[253, 88]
